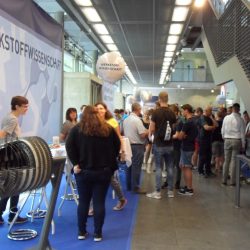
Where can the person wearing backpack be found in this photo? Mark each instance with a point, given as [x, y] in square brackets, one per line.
[161, 126]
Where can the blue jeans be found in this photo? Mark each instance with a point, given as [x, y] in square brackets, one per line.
[92, 184]
[166, 154]
[133, 172]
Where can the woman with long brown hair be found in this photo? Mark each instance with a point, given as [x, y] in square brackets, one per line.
[106, 115]
[93, 147]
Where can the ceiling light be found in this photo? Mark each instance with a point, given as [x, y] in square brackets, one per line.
[175, 29]
[169, 53]
[91, 14]
[183, 2]
[112, 47]
[167, 59]
[180, 14]
[199, 3]
[84, 2]
[165, 64]
[101, 29]
[107, 39]
[165, 67]
[173, 39]
[170, 47]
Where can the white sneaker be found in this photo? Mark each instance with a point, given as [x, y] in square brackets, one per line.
[164, 174]
[154, 195]
[170, 194]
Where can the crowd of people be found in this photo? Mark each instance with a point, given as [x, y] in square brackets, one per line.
[176, 139]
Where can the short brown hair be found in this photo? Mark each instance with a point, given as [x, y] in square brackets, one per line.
[187, 107]
[135, 106]
[19, 101]
[163, 96]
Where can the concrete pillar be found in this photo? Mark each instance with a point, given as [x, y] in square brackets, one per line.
[94, 56]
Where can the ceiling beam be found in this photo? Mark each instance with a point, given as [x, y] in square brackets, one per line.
[73, 11]
[125, 38]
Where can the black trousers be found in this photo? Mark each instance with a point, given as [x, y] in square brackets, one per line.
[205, 156]
[13, 205]
[92, 184]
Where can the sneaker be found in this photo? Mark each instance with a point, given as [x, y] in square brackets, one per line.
[223, 184]
[97, 237]
[1, 220]
[170, 194]
[19, 220]
[120, 205]
[186, 191]
[82, 235]
[154, 195]
[164, 174]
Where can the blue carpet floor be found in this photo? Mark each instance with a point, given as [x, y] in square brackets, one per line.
[117, 229]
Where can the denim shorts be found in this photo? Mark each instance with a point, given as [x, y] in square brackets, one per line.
[186, 159]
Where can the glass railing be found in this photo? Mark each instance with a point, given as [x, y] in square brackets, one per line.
[191, 75]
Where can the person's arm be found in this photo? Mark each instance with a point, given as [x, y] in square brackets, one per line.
[223, 129]
[3, 134]
[242, 132]
[117, 142]
[72, 149]
[62, 137]
[206, 126]
[151, 128]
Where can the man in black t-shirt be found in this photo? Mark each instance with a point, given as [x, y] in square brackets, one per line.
[163, 148]
[208, 125]
[187, 135]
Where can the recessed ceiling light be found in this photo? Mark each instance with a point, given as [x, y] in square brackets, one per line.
[170, 47]
[175, 29]
[199, 3]
[183, 2]
[83, 2]
[169, 53]
[101, 29]
[112, 47]
[180, 14]
[91, 14]
[106, 39]
[173, 39]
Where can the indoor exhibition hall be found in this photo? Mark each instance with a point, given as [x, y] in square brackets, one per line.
[124, 124]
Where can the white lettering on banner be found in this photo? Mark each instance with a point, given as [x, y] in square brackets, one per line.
[21, 48]
[31, 66]
[108, 95]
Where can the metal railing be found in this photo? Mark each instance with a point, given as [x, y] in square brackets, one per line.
[246, 162]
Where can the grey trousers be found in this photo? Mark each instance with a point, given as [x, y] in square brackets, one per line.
[231, 149]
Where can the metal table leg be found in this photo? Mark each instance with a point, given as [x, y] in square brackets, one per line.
[56, 176]
[237, 189]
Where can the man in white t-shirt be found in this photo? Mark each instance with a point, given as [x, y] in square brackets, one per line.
[11, 129]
